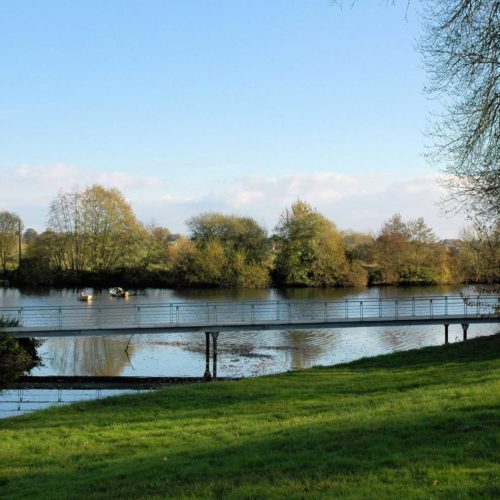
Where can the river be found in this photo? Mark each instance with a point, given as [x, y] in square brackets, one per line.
[240, 353]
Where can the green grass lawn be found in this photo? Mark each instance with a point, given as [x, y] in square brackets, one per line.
[417, 424]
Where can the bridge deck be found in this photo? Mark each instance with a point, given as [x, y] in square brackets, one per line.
[195, 316]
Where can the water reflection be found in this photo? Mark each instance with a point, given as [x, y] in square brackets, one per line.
[303, 347]
[238, 294]
[97, 356]
[14, 297]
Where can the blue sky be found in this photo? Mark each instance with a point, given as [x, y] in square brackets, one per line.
[235, 106]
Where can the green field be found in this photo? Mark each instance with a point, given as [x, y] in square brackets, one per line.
[417, 424]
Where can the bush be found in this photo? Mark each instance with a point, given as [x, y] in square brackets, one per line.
[17, 356]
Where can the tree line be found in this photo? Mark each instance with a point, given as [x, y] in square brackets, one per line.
[94, 238]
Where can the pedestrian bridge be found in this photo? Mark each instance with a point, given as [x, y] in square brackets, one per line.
[218, 316]
[212, 318]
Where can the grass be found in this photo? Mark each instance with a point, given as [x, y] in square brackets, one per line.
[417, 424]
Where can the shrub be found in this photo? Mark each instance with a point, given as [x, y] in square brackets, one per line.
[17, 356]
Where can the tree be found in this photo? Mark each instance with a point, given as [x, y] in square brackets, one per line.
[198, 266]
[461, 47]
[232, 251]
[66, 219]
[17, 356]
[408, 252]
[10, 223]
[156, 247]
[98, 229]
[113, 230]
[233, 232]
[461, 50]
[358, 246]
[46, 253]
[29, 236]
[391, 249]
[479, 255]
[310, 251]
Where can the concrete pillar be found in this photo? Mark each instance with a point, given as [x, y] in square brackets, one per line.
[465, 327]
[207, 375]
[215, 336]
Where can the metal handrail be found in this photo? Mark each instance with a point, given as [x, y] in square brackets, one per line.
[250, 312]
[195, 302]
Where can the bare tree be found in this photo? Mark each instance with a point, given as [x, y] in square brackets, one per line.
[460, 45]
[96, 229]
[479, 256]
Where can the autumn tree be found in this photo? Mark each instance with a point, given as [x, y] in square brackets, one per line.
[310, 251]
[10, 225]
[29, 236]
[478, 257]
[409, 252]
[98, 229]
[156, 247]
[358, 246]
[391, 249]
[232, 251]
[113, 231]
[199, 266]
[235, 233]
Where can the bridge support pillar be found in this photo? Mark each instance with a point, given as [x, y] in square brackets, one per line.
[465, 327]
[446, 326]
[215, 336]
[207, 375]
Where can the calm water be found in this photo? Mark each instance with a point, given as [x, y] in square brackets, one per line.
[240, 353]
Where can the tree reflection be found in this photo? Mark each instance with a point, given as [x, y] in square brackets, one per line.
[304, 348]
[237, 294]
[89, 356]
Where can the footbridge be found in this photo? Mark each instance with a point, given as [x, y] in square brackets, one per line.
[215, 317]
[194, 316]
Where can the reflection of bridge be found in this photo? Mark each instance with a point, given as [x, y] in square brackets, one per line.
[215, 317]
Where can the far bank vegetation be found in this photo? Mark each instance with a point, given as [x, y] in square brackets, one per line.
[94, 238]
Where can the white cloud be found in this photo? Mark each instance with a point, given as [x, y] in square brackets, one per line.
[65, 176]
[360, 202]
[29, 189]
[46, 176]
[172, 199]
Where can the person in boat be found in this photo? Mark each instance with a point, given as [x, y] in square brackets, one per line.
[85, 297]
[118, 292]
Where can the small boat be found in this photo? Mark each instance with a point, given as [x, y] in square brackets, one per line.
[85, 297]
[118, 292]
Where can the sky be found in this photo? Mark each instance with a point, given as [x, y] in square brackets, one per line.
[236, 106]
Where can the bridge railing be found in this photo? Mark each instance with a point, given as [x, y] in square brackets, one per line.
[247, 313]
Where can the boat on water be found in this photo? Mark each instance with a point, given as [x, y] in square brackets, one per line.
[118, 292]
[85, 297]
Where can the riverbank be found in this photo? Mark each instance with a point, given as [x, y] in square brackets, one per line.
[139, 278]
[412, 424]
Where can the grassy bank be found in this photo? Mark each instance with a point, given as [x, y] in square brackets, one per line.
[415, 424]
